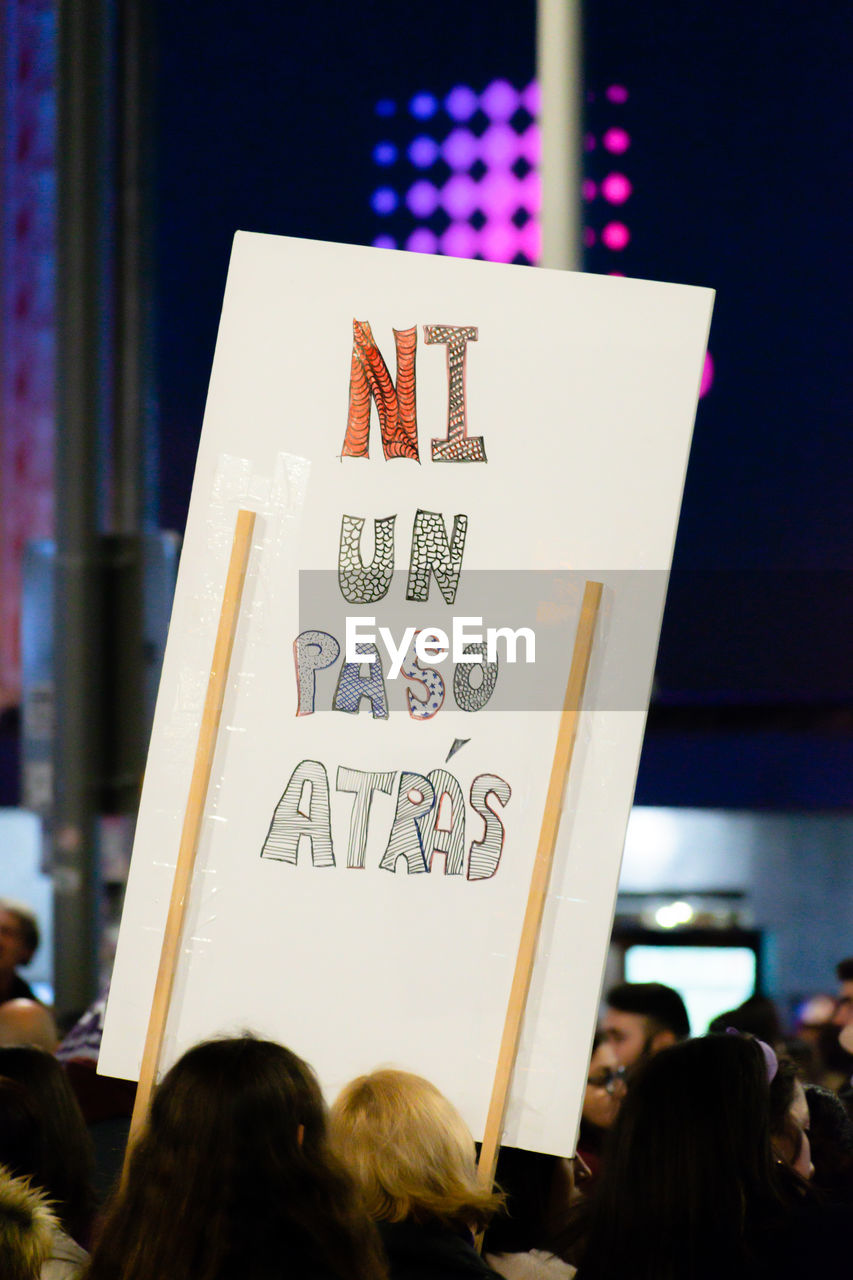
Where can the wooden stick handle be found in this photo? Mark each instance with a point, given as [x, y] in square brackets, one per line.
[539, 883]
[228, 618]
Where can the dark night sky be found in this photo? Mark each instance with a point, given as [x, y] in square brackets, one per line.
[740, 164]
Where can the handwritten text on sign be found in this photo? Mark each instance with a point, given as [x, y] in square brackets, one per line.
[429, 815]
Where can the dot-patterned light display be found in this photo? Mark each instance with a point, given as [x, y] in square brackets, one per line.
[459, 173]
[27, 275]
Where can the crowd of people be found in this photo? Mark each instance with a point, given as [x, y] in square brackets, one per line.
[728, 1154]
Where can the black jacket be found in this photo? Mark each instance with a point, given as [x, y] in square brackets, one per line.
[434, 1252]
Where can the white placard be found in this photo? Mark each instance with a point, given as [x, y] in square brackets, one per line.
[582, 390]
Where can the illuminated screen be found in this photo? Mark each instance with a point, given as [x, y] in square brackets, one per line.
[710, 980]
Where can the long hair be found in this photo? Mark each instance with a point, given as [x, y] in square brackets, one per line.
[690, 1179]
[232, 1178]
[410, 1151]
[65, 1164]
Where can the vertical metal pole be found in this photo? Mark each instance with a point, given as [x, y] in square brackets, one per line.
[133, 401]
[83, 241]
[558, 56]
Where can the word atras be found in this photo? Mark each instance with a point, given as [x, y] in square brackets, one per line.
[429, 818]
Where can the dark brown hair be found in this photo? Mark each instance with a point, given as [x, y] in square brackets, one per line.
[691, 1182]
[65, 1162]
[232, 1177]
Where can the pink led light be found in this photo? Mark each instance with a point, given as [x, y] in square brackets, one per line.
[531, 98]
[500, 194]
[530, 192]
[707, 375]
[616, 188]
[617, 93]
[588, 189]
[459, 196]
[422, 199]
[460, 240]
[499, 241]
[460, 149]
[621, 274]
[616, 235]
[530, 144]
[500, 146]
[499, 100]
[589, 142]
[461, 103]
[422, 241]
[530, 240]
[589, 237]
[616, 141]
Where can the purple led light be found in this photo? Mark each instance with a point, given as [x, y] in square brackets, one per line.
[499, 241]
[385, 107]
[616, 235]
[460, 149]
[616, 93]
[530, 240]
[530, 144]
[459, 196]
[384, 153]
[460, 240]
[500, 146]
[422, 241]
[589, 142]
[500, 194]
[589, 237]
[616, 188]
[531, 98]
[423, 152]
[588, 189]
[384, 200]
[707, 375]
[422, 199]
[616, 141]
[500, 100]
[423, 105]
[461, 103]
[385, 242]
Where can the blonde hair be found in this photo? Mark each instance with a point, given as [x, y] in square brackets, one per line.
[410, 1151]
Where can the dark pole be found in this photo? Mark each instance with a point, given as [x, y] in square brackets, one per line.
[83, 247]
[133, 409]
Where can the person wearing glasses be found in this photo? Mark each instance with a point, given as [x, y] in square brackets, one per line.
[605, 1089]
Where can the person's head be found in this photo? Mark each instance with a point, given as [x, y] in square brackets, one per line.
[844, 1005]
[642, 1018]
[789, 1119]
[65, 1164]
[410, 1151]
[831, 1141]
[690, 1167]
[27, 1022]
[605, 1084]
[233, 1170]
[19, 935]
[26, 1229]
[757, 1016]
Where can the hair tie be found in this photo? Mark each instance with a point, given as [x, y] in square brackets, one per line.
[771, 1062]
